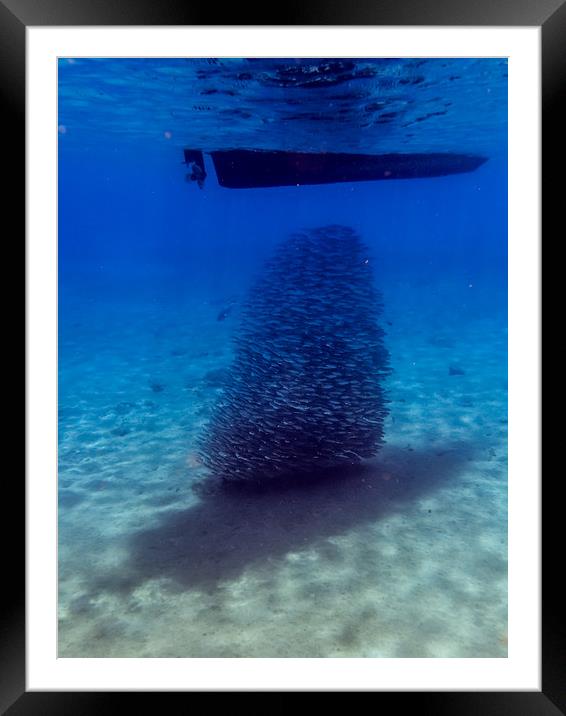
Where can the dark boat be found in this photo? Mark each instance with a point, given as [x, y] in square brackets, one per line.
[250, 168]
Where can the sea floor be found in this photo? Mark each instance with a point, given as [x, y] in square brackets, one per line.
[404, 557]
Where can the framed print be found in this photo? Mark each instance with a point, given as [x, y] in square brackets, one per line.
[283, 423]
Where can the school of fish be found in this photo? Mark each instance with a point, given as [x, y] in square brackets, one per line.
[306, 388]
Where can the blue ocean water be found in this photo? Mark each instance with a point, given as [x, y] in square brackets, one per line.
[408, 556]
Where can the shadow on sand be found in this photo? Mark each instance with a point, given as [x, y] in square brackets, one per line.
[228, 531]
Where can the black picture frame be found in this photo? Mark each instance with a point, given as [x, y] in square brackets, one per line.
[15, 16]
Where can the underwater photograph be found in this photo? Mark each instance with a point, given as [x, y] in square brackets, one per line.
[282, 357]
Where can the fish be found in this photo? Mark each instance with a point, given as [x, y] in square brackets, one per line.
[224, 313]
[306, 388]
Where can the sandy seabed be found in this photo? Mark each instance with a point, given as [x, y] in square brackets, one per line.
[404, 557]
